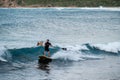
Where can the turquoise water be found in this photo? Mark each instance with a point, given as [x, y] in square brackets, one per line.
[91, 37]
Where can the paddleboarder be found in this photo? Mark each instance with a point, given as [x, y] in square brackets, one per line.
[47, 44]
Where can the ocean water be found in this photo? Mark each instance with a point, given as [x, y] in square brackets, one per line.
[91, 36]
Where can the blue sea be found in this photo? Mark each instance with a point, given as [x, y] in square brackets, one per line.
[91, 36]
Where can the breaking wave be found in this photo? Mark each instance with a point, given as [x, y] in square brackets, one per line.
[113, 47]
[23, 54]
[73, 53]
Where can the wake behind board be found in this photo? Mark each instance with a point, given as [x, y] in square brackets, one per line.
[44, 60]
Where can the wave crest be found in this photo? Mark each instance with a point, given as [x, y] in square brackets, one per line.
[113, 47]
[23, 54]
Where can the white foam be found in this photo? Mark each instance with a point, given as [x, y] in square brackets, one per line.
[73, 55]
[2, 59]
[91, 57]
[67, 55]
[110, 47]
[103, 8]
[73, 47]
[59, 8]
[2, 50]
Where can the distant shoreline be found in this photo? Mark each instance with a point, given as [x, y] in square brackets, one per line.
[59, 7]
[59, 3]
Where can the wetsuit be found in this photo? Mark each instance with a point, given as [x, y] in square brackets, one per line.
[47, 44]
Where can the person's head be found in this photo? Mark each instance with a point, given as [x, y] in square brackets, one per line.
[47, 40]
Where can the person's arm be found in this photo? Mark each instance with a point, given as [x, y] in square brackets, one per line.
[51, 45]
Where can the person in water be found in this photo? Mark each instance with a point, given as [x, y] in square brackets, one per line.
[40, 43]
[47, 44]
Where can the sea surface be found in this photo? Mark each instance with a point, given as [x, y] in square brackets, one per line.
[91, 36]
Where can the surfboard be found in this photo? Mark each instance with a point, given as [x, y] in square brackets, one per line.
[44, 59]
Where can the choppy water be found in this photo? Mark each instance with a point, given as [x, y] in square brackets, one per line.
[91, 37]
